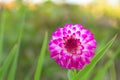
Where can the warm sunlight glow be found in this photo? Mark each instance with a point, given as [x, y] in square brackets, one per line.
[82, 2]
[6, 1]
[113, 2]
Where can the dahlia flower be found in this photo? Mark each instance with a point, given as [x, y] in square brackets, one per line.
[72, 46]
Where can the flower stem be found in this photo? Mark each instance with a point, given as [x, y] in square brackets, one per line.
[75, 74]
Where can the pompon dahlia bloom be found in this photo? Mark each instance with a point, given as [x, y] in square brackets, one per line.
[72, 46]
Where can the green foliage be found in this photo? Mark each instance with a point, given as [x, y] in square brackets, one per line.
[107, 65]
[11, 75]
[2, 27]
[13, 54]
[70, 75]
[41, 58]
[7, 62]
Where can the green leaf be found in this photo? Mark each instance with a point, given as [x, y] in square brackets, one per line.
[70, 75]
[11, 75]
[88, 68]
[7, 62]
[100, 45]
[102, 71]
[41, 58]
[2, 27]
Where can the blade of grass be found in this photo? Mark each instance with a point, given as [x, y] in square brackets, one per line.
[113, 72]
[101, 73]
[103, 70]
[100, 45]
[11, 75]
[7, 62]
[88, 68]
[2, 27]
[41, 58]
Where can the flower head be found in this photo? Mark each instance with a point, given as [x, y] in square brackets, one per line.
[72, 46]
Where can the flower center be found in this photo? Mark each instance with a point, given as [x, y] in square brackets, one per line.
[72, 45]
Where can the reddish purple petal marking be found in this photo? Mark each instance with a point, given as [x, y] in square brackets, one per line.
[72, 46]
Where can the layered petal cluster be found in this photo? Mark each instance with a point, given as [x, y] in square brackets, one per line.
[72, 46]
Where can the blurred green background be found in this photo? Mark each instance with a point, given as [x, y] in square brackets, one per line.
[102, 19]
